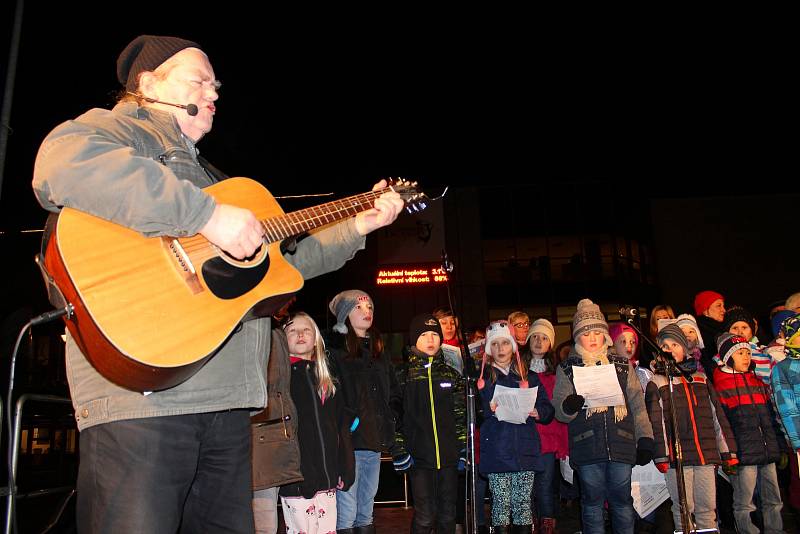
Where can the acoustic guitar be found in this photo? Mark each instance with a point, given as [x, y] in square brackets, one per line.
[149, 311]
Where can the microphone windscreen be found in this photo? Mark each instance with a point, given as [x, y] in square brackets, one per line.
[191, 109]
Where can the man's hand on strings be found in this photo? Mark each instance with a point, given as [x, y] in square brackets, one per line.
[235, 230]
[387, 207]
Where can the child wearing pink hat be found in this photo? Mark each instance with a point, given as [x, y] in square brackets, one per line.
[626, 343]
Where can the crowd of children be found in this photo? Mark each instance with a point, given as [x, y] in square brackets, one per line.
[705, 398]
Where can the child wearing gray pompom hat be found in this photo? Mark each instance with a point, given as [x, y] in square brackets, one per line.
[619, 435]
[343, 303]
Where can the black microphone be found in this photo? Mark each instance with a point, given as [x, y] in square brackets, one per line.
[447, 265]
[191, 109]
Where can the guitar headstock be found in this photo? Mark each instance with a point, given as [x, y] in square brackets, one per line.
[415, 199]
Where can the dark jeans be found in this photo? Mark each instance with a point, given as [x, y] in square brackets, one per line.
[434, 492]
[182, 473]
[544, 489]
[606, 481]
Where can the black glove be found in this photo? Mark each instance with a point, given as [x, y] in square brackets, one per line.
[644, 451]
[643, 456]
[572, 403]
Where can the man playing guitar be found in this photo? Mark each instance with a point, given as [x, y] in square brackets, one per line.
[176, 458]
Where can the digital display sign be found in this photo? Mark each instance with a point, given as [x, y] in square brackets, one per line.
[406, 275]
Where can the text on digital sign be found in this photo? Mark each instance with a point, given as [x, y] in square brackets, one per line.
[415, 275]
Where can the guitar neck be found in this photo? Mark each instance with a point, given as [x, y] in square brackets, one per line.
[300, 221]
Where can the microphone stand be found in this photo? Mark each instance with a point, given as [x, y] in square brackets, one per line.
[13, 417]
[672, 370]
[470, 512]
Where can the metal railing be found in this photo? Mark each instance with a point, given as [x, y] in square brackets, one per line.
[404, 502]
[14, 444]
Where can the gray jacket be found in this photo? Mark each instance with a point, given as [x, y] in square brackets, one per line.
[133, 166]
[599, 437]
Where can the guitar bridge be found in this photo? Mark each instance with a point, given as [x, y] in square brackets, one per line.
[183, 265]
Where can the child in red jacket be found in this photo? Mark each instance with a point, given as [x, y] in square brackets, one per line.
[747, 404]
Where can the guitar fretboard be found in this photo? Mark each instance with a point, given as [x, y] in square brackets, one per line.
[297, 222]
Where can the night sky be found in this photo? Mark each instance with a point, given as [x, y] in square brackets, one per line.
[320, 101]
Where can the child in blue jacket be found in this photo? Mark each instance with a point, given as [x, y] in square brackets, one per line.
[510, 452]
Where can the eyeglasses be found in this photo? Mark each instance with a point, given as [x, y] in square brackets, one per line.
[214, 84]
[523, 324]
[196, 81]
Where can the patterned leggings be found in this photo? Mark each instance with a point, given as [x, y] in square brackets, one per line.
[316, 515]
[507, 488]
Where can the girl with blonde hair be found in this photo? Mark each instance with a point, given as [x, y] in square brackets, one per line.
[326, 450]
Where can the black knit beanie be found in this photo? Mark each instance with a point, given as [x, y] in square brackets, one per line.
[145, 54]
[734, 315]
[422, 323]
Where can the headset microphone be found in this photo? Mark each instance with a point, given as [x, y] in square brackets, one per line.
[191, 109]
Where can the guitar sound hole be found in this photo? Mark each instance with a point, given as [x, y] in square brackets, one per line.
[229, 282]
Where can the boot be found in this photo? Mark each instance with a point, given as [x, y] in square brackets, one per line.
[364, 529]
[500, 529]
[548, 525]
[522, 529]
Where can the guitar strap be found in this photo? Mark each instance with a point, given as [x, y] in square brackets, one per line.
[213, 172]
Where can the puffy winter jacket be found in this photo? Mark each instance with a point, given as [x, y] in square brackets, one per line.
[748, 406]
[785, 381]
[430, 410]
[508, 447]
[599, 437]
[705, 434]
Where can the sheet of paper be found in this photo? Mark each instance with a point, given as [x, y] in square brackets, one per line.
[476, 348]
[452, 355]
[598, 384]
[566, 470]
[514, 404]
[648, 488]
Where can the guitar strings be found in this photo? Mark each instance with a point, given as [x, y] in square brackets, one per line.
[201, 249]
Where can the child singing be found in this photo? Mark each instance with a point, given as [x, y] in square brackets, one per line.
[510, 451]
